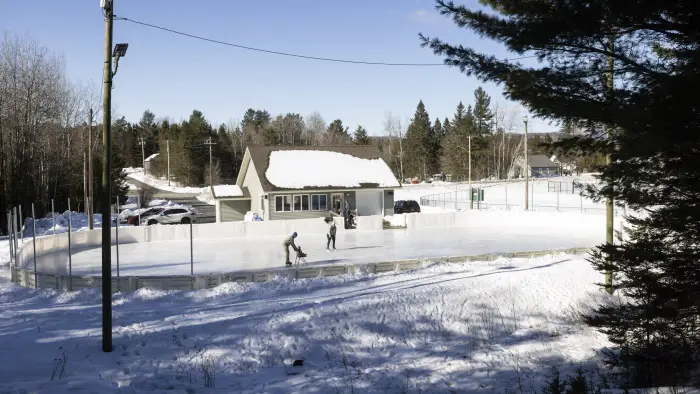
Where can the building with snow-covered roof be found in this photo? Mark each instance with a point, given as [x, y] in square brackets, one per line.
[149, 163]
[538, 166]
[301, 182]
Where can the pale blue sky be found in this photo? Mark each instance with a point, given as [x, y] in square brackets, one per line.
[172, 75]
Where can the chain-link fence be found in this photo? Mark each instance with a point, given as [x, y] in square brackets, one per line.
[552, 196]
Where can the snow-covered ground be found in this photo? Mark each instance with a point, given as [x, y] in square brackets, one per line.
[449, 328]
[485, 232]
[160, 184]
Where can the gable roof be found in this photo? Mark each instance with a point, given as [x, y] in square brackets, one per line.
[308, 162]
[539, 161]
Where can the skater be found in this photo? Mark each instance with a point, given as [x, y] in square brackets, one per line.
[289, 241]
[346, 213]
[330, 235]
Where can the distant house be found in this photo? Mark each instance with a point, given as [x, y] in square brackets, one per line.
[538, 166]
[567, 167]
[149, 163]
[296, 182]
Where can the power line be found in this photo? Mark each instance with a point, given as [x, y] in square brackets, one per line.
[325, 59]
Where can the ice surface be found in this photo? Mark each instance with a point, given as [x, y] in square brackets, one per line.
[486, 232]
[297, 169]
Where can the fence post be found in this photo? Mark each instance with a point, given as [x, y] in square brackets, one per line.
[70, 257]
[9, 238]
[36, 281]
[532, 196]
[191, 251]
[506, 196]
[581, 195]
[116, 233]
[22, 222]
[558, 191]
[17, 228]
[53, 216]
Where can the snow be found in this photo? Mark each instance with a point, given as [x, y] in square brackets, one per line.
[469, 327]
[297, 169]
[137, 174]
[227, 191]
[206, 197]
[483, 233]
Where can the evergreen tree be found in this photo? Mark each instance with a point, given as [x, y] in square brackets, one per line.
[655, 159]
[438, 134]
[482, 112]
[419, 144]
[337, 134]
[361, 137]
[455, 145]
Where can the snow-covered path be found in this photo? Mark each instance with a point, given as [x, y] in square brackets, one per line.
[487, 233]
[464, 328]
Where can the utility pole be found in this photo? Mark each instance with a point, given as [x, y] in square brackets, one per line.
[208, 142]
[471, 193]
[609, 206]
[90, 182]
[85, 193]
[526, 166]
[143, 154]
[167, 148]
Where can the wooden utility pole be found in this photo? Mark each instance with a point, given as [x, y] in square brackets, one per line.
[211, 178]
[609, 206]
[90, 193]
[106, 184]
[143, 154]
[526, 166]
[167, 148]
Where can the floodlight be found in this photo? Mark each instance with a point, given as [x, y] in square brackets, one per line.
[105, 4]
[120, 50]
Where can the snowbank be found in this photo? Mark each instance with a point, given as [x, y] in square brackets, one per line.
[79, 222]
[297, 169]
[160, 184]
[473, 327]
[205, 196]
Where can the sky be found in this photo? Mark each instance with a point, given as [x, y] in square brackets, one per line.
[172, 75]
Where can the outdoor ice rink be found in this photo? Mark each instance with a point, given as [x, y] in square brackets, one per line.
[486, 233]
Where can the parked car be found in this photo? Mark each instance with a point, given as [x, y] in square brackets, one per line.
[134, 219]
[170, 216]
[406, 206]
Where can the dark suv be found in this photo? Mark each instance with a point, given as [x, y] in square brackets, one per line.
[406, 206]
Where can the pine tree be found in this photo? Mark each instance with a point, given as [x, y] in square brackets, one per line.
[438, 134]
[655, 159]
[419, 144]
[455, 144]
[337, 134]
[482, 112]
[361, 137]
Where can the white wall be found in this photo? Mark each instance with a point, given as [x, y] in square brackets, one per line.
[369, 202]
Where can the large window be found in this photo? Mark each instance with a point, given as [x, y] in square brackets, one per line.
[319, 202]
[301, 203]
[283, 203]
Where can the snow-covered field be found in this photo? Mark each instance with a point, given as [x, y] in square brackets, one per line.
[449, 328]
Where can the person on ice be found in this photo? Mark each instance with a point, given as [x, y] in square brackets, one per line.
[289, 241]
[330, 235]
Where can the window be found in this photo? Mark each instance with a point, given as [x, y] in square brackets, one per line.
[283, 203]
[319, 202]
[301, 202]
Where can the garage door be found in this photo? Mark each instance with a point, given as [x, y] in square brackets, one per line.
[369, 202]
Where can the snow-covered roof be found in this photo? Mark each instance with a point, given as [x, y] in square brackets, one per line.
[298, 169]
[223, 191]
[151, 157]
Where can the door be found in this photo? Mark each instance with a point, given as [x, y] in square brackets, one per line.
[337, 203]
